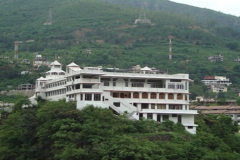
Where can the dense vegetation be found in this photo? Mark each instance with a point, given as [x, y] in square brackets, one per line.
[57, 130]
[108, 30]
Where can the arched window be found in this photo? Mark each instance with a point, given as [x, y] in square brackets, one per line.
[135, 95]
[170, 96]
[153, 96]
[161, 96]
[144, 95]
[179, 96]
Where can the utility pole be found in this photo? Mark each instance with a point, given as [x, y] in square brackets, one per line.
[16, 50]
[170, 48]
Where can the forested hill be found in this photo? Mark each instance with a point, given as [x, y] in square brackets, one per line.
[108, 30]
[58, 131]
[207, 16]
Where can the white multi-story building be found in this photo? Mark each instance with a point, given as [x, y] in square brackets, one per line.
[141, 95]
[220, 80]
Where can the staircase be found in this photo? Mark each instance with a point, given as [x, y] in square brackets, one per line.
[124, 105]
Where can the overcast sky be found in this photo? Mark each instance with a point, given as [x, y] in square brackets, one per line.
[226, 6]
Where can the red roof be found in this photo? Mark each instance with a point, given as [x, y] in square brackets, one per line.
[209, 78]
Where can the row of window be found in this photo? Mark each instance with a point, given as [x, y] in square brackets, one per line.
[54, 93]
[51, 85]
[163, 106]
[151, 96]
[175, 86]
[90, 97]
[55, 73]
[163, 117]
[152, 85]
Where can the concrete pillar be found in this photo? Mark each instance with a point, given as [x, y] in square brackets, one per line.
[145, 115]
[154, 116]
[83, 96]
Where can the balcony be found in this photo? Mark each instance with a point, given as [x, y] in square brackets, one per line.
[143, 89]
[86, 80]
[161, 111]
[84, 90]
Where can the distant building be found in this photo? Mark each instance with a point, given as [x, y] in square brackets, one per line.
[216, 58]
[222, 80]
[210, 101]
[39, 60]
[145, 70]
[26, 87]
[218, 88]
[93, 68]
[232, 111]
[88, 51]
[25, 61]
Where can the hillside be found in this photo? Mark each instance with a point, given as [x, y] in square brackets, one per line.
[108, 31]
[206, 16]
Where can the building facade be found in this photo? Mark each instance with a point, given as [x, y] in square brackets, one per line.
[142, 95]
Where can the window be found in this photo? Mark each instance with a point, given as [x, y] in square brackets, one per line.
[97, 97]
[144, 95]
[170, 96]
[88, 97]
[116, 95]
[180, 86]
[190, 127]
[114, 83]
[175, 106]
[126, 83]
[161, 96]
[105, 83]
[144, 106]
[87, 86]
[135, 95]
[149, 116]
[117, 104]
[161, 106]
[152, 106]
[165, 117]
[174, 115]
[175, 80]
[159, 117]
[171, 86]
[137, 84]
[186, 98]
[153, 96]
[179, 96]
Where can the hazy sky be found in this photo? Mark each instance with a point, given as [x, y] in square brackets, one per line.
[226, 6]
